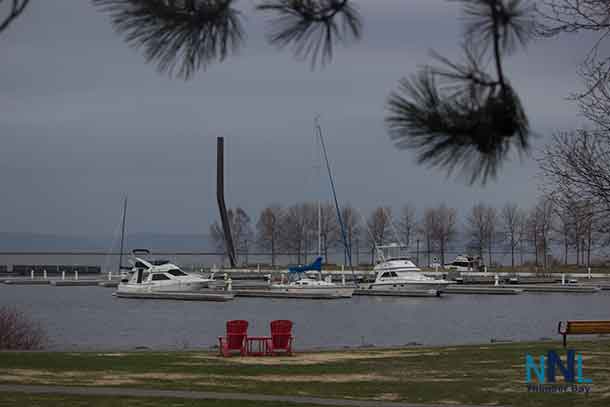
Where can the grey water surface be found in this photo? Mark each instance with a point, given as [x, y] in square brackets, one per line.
[90, 318]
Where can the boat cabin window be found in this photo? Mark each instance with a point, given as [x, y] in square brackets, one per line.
[177, 273]
[388, 274]
[159, 277]
[461, 264]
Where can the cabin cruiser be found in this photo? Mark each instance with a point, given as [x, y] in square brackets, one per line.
[464, 263]
[310, 286]
[160, 275]
[394, 272]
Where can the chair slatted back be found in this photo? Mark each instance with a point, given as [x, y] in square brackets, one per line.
[281, 332]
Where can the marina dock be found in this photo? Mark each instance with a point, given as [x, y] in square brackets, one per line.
[185, 296]
[21, 281]
[285, 294]
[398, 293]
[464, 289]
[75, 283]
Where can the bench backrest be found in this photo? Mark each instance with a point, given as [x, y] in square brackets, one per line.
[587, 327]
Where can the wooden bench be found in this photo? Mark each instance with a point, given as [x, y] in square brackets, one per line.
[582, 328]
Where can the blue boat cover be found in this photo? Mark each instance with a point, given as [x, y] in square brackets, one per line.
[316, 265]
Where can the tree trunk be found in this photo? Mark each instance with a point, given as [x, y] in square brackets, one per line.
[512, 250]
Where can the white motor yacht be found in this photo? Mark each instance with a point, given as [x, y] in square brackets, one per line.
[464, 263]
[400, 273]
[160, 276]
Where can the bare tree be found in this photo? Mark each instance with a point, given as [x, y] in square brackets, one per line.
[268, 229]
[544, 220]
[477, 227]
[407, 223]
[12, 9]
[426, 230]
[532, 232]
[379, 224]
[241, 231]
[296, 230]
[330, 232]
[577, 164]
[18, 332]
[513, 220]
[352, 225]
[491, 219]
[443, 228]
[578, 16]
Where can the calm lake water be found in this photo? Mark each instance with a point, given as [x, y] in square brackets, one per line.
[83, 318]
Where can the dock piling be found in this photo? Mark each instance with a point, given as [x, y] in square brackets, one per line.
[44, 274]
[63, 275]
[76, 274]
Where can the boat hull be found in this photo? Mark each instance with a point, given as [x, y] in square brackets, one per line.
[407, 285]
[342, 292]
[177, 286]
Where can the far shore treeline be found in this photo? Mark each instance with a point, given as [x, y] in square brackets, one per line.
[552, 232]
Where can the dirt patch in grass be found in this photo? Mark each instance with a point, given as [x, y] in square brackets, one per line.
[388, 397]
[315, 358]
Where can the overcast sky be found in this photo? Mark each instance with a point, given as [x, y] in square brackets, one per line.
[84, 120]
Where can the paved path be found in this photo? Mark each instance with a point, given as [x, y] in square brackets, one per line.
[201, 395]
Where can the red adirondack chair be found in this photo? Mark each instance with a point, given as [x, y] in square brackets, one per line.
[281, 337]
[235, 339]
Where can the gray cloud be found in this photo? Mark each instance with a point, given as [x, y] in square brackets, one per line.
[83, 120]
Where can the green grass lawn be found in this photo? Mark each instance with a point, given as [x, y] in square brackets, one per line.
[486, 374]
[55, 400]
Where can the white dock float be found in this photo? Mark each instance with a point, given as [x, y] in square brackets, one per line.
[398, 293]
[22, 281]
[285, 294]
[579, 289]
[75, 283]
[183, 296]
[461, 289]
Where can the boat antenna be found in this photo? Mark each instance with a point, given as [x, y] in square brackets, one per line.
[347, 248]
[122, 234]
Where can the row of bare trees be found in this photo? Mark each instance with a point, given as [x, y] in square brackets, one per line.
[308, 228]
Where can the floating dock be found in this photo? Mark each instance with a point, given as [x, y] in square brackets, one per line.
[464, 289]
[580, 289]
[285, 294]
[398, 293]
[109, 284]
[183, 296]
[20, 281]
[75, 283]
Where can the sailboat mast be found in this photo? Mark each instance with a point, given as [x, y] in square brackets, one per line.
[122, 234]
[318, 165]
[347, 247]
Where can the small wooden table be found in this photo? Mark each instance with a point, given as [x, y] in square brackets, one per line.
[257, 345]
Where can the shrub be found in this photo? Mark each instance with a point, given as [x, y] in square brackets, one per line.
[19, 332]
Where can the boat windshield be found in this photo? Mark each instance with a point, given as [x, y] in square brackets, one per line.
[461, 264]
[177, 273]
[399, 258]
